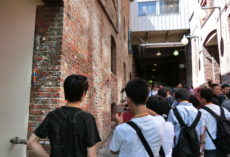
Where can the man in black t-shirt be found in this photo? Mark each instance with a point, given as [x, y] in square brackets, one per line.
[71, 131]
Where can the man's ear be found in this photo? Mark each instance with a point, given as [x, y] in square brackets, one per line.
[129, 101]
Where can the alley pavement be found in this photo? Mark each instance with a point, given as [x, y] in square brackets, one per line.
[105, 151]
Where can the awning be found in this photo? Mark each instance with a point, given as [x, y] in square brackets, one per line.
[211, 39]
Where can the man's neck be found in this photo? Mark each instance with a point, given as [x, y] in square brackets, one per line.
[184, 101]
[74, 104]
[140, 109]
[208, 103]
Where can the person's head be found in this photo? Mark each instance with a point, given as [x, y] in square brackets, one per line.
[193, 99]
[158, 104]
[155, 87]
[180, 85]
[75, 88]
[215, 89]
[162, 92]
[182, 94]
[137, 92]
[205, 96]
[225, 88]
[209, 82]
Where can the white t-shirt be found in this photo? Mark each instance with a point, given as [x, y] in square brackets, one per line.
[126, 141]
[168, 136]
[210, 123]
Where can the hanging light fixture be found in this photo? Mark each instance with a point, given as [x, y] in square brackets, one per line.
[158, 53]
[176, 53]
[184, 40]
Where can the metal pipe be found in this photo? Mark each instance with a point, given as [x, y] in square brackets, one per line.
[17, 140]
[161, 45]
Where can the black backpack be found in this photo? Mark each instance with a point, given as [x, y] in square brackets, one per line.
[222, 141]
[188, 144]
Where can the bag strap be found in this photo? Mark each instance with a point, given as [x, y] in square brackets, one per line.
[211, 112]
[222, 113]
[210, 136]
[195, 122]
[142, 138]
[180, 120]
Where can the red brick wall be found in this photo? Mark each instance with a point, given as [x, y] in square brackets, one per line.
[76, 38]
[86, 50]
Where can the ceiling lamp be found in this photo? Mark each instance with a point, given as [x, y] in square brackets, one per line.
[184, 40]
[158, 53]
[155, 65]
[176, 53]
[153, 69]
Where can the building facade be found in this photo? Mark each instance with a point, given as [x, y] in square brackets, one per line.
[42, 42]
[157, 29]
[209, 24]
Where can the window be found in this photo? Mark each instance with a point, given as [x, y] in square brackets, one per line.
[146, 8]
[169, 6]
[113, 56]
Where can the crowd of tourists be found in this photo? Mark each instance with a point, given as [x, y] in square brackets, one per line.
[154, 122]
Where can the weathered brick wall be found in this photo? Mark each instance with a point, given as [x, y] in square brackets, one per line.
[76, 38]
[45, 83]
[86, 50]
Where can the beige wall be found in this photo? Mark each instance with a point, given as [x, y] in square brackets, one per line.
[16, 49]
[211, 24]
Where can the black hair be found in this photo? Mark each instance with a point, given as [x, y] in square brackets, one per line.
[182, 94]
[224, 86]
[137, 90]
[214, 85]
[206, 94]
[162, 92]
[194, 101]
[74, 87]
[158, 104]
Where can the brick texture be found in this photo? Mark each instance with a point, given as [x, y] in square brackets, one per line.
[211, 68]
[76, 38]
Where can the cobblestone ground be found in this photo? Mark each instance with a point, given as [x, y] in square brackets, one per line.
[104, 151]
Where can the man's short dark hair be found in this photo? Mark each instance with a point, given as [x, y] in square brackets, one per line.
[137, 90]
[182, 94]
[224, 86]
[162, 92]
[214, 85]
[74, 87]
[206, 94]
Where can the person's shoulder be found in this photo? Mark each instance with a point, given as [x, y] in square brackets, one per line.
[85, 115]
[158, 118]
[124, 127]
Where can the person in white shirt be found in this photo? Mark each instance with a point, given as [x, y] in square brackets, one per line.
[205, 97]
[160, 105]
[188, 114]
[154, 90]
[125, 140]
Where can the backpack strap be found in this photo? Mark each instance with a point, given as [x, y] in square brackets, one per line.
[222, 113]
[195, 122]
[180, 120]
[211, 112]
[142, 138]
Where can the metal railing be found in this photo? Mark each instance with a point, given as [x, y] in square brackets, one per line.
[17, 140]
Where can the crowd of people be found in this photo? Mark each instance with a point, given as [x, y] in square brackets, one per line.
[162, 122]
